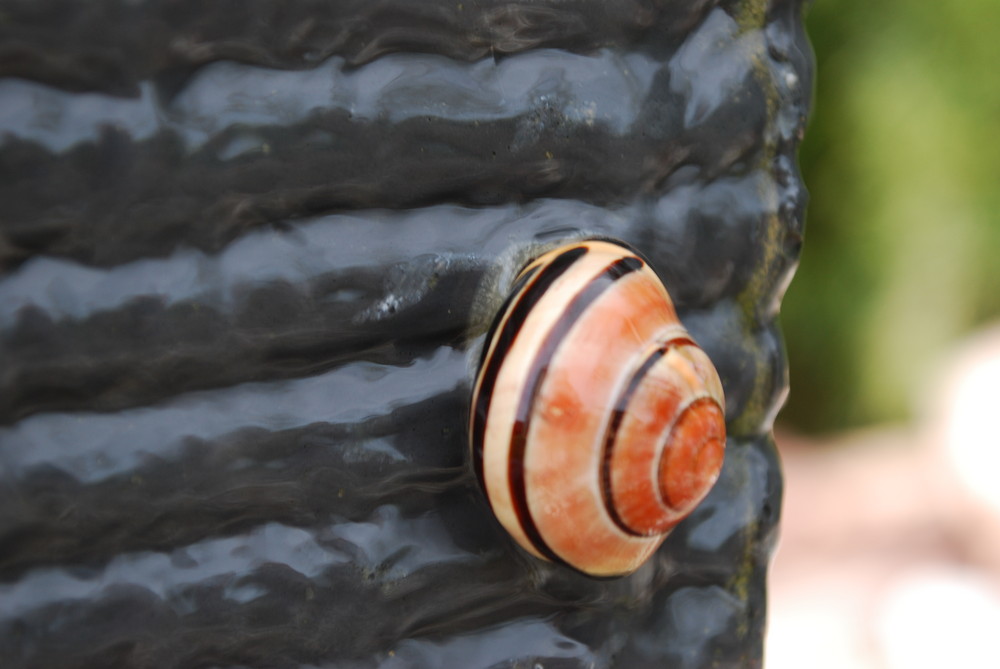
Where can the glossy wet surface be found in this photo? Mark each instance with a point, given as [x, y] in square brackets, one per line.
[248, 261]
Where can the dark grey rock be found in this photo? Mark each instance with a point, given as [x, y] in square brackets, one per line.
[248, 258]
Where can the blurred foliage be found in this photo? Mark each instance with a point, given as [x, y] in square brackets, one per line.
[902, 161]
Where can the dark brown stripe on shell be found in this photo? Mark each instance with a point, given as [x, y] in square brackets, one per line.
[493, 361]
[611, 436]
[680, 414]
[483, 398]
[522, 423]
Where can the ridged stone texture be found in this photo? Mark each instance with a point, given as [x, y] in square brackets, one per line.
[249, 253]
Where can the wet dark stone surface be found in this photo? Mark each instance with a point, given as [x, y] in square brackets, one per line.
[248, 258]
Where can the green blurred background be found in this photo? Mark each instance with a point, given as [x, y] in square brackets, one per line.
[902, 161]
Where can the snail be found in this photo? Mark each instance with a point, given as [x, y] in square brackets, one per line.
[597, 423]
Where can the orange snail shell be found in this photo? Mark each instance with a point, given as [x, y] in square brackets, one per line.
[597, 422]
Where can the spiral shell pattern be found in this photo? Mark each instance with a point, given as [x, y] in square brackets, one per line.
[597, 423]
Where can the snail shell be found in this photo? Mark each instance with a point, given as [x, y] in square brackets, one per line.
[597, 422]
